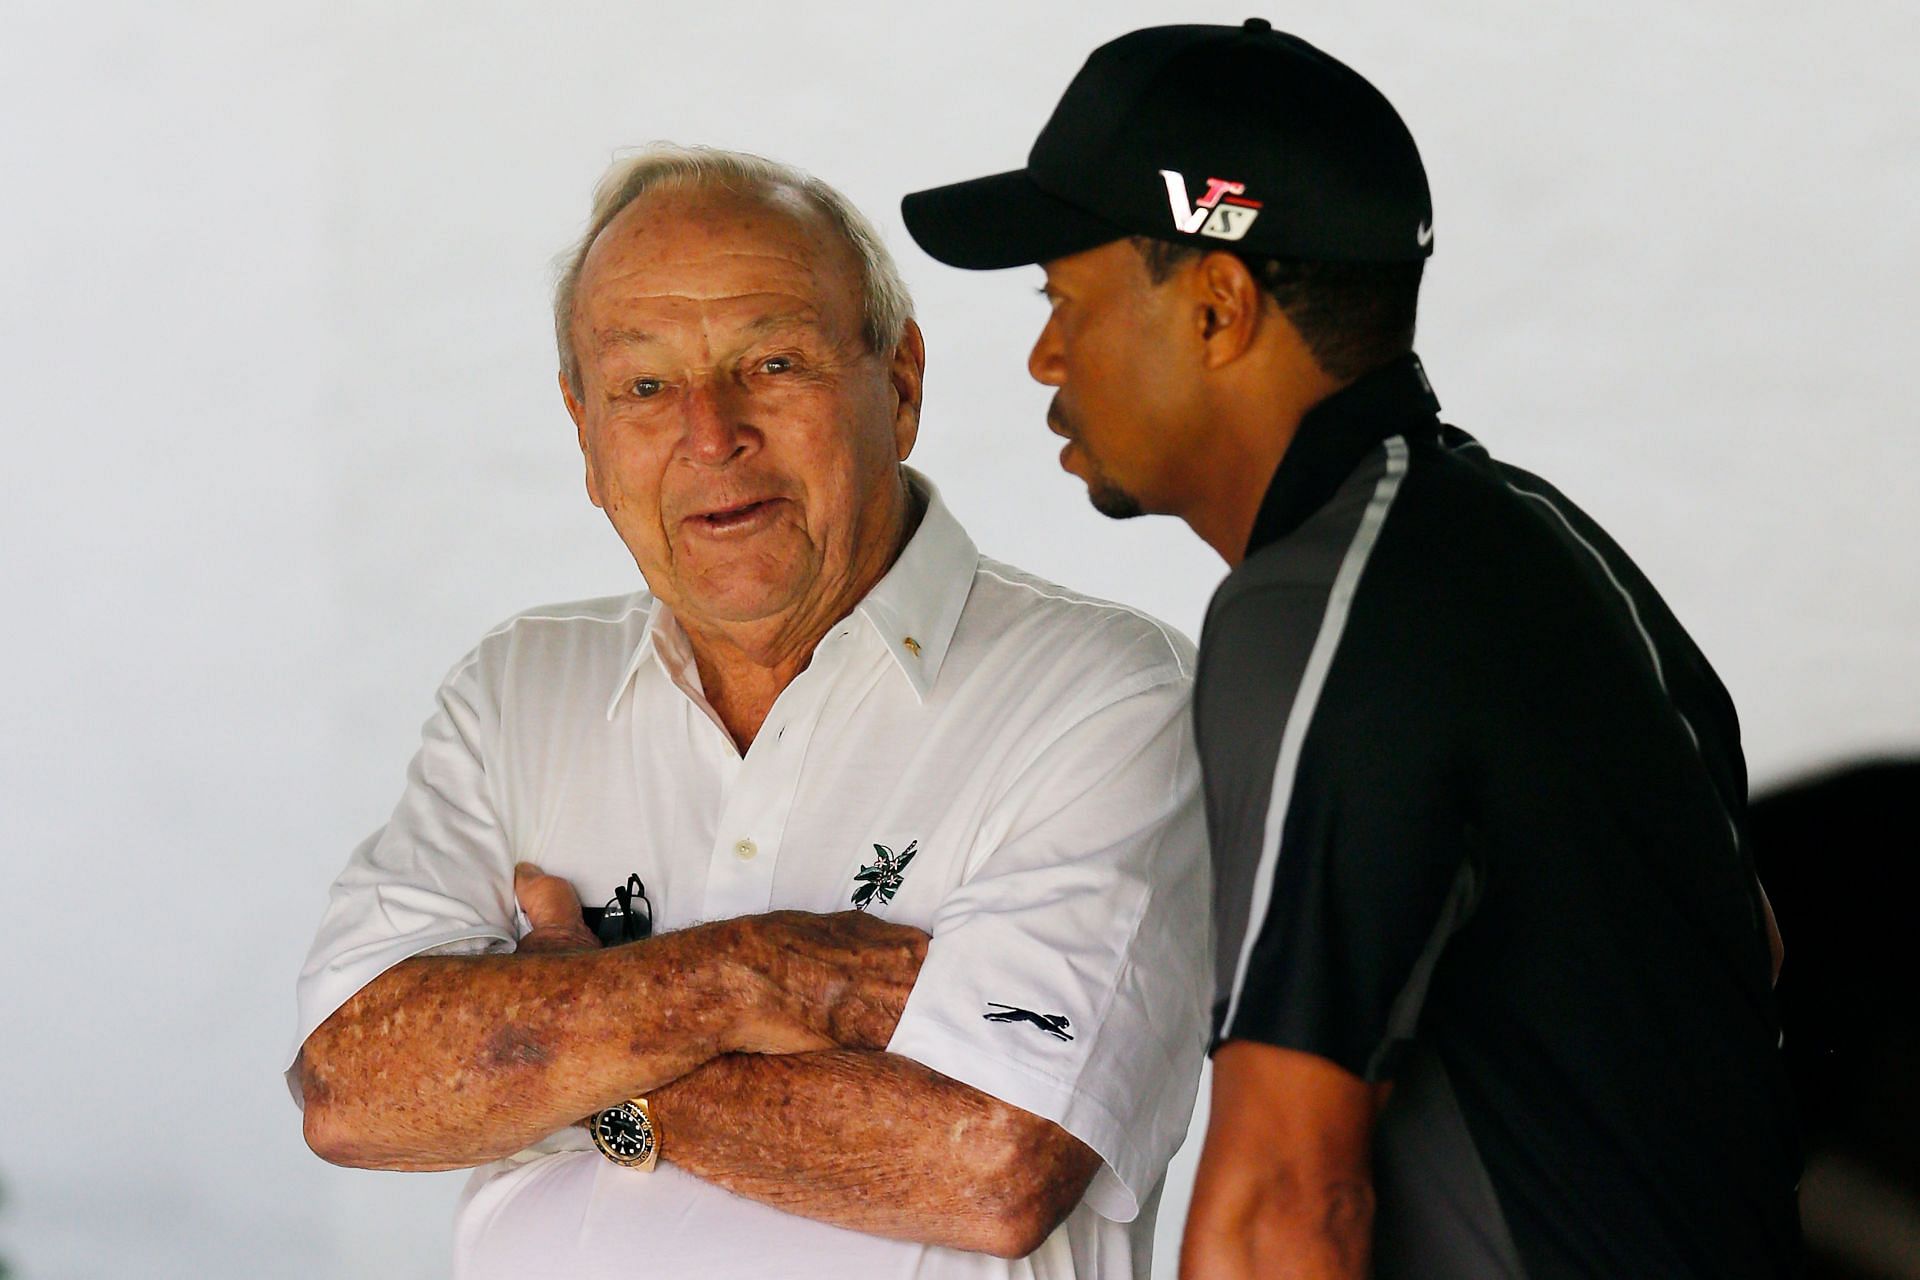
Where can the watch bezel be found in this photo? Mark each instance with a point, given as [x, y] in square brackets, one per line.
[636, 1113]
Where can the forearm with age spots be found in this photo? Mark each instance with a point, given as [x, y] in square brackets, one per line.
[447, 1062]
[877, 1143]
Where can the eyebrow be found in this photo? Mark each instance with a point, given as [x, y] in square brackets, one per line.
[610, 338]
[781, 320]
[623, 338]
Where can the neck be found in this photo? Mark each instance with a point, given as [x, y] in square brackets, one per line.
[1249, 431]
[1224, 512]
[745, 667]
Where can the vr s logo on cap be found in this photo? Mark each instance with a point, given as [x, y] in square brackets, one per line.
[1223, 212]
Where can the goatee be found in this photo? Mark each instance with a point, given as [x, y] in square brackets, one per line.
[1112, 502]
[1109, 499]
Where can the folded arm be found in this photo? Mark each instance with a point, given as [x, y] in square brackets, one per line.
[449, 1061]
[875, 1142]
[856, 1137]
[1100, 868]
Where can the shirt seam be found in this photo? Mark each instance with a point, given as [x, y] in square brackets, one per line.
[643, 604]
[1330, 635]
[1138, 685]
[1104, 606]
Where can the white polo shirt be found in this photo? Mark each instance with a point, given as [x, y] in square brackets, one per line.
[1031, 746]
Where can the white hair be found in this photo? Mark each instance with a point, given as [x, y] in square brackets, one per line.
[885, 304]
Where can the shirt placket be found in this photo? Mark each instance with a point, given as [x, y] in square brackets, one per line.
[760, 793]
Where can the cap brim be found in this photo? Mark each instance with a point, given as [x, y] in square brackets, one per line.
[1000, 221]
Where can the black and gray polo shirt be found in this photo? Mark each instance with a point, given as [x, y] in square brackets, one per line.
[1476, 803]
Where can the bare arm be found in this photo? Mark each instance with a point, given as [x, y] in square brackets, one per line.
[856, 1137]
[875, 1142]
[1285, 1185]
[1776, 949]
[446, 1062]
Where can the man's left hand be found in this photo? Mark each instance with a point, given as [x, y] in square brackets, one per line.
[552, 909]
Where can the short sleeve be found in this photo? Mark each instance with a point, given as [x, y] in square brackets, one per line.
[437, 878]
[1342, 859]
[1068, 975]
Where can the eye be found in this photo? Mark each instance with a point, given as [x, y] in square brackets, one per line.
[777, 364]
[645, 388]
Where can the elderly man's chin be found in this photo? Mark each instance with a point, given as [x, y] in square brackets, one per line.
[742, 581]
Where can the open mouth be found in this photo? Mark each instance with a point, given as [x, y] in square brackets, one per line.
[742, 517]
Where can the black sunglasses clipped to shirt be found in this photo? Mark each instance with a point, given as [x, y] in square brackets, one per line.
[627, 917]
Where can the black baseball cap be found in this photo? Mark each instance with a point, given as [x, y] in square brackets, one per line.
[1241, 138]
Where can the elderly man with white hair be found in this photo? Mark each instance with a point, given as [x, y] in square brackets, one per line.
[903, 968]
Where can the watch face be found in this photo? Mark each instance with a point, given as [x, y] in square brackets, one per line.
[623, 1134]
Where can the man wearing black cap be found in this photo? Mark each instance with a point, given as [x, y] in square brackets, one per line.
[1493, 981]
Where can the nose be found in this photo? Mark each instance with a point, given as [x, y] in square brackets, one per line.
[1045, 362]
[715, 430]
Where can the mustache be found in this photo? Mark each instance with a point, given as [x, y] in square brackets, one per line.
[1057, 420]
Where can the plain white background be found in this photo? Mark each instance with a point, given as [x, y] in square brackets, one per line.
[282, 440]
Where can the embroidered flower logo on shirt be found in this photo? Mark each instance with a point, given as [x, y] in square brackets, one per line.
[880, 880]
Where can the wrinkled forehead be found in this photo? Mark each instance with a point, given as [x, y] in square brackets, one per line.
[720, 259]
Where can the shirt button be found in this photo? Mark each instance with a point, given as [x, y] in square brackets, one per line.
[746, 850]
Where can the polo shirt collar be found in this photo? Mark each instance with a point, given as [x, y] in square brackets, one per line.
[1335, 435]
[661, 632]
[913, 610]
[916, 608]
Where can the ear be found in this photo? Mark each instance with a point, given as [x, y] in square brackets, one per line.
[578, 413]
[1231, 310]
[907, 372]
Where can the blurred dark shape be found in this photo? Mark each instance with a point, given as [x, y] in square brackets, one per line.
[1835, 853]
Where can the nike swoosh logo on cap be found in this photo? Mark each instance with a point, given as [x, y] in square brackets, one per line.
[1424, 235]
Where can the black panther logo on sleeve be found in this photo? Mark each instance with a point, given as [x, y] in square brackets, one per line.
[1054, 1024]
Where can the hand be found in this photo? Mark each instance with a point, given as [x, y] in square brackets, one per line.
[844, 977]
[821, 981]
[553, 912]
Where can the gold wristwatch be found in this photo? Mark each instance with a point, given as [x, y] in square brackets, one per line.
[625, 1134]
